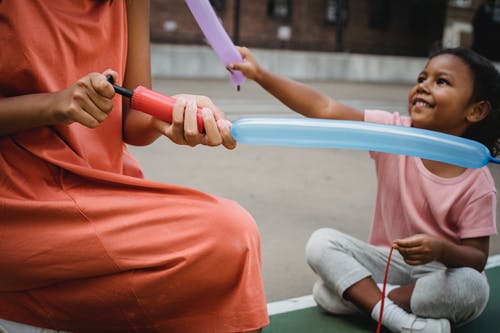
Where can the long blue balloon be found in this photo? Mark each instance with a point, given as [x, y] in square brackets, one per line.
[306, 132]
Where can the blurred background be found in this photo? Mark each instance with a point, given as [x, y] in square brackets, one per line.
[385, 27]
[364, 53]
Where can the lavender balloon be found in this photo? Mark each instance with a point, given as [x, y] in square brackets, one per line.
[216, 36]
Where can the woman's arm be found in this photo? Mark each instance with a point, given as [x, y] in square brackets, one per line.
[88, 102]
[25, 112]
[421, 249]
[142, 129]
[138, 127]
[297, 96]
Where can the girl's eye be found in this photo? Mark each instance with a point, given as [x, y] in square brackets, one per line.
[420, 79]
[442, 81]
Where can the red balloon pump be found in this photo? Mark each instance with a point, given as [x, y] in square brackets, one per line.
[151, 102]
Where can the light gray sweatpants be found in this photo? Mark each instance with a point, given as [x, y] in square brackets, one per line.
[458, 294]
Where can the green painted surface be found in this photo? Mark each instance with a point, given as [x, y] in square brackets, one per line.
[314, 320]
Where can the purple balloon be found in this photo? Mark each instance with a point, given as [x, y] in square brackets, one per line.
[216, 36]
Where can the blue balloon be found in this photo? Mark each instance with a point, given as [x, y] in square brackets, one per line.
[306, 132]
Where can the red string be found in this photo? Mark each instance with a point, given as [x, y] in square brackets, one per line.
[379, 325]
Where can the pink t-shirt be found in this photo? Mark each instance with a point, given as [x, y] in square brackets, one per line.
[412, 200]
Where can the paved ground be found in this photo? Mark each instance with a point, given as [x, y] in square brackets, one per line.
[290, 191]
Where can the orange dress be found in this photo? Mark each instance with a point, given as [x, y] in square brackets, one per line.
[86, 243]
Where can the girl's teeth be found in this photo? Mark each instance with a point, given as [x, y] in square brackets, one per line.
[421, 103]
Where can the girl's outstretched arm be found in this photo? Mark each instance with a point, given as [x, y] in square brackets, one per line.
[297, 96]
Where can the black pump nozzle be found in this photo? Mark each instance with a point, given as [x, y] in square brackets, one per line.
[119, 90]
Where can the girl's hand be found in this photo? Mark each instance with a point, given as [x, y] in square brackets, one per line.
[249, 67]
[88, 101]
[419, 249]
[184, 128]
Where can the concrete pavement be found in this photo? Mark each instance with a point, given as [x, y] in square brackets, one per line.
[290, 191]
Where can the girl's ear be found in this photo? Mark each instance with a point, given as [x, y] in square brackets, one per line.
[479, 111]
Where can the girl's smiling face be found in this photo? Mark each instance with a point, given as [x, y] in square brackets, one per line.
[441, 99]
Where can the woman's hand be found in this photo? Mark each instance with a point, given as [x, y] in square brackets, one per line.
[88, 101]
[184, 127]
[419, 249]
[249, 67]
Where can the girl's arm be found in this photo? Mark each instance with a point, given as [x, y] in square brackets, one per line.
[297, 96]
[421, 249]
[472, 252]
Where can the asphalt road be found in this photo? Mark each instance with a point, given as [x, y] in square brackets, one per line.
[290, 191]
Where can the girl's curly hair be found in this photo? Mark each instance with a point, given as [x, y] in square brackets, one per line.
[486, 87]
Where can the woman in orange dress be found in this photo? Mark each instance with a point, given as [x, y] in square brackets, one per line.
[86, 243]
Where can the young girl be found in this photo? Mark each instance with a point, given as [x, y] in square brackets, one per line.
[438, 216]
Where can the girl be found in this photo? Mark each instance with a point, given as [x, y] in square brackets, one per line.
[86, 243]
[438, 216]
